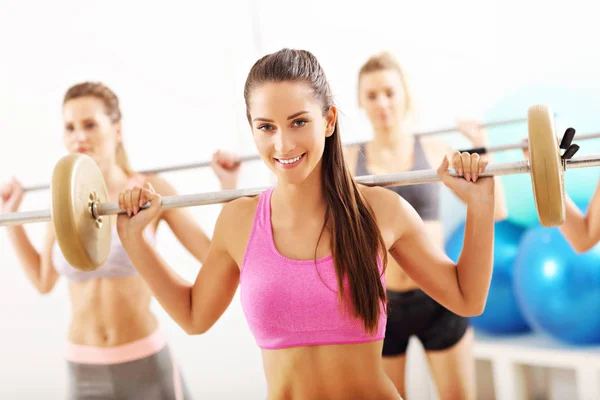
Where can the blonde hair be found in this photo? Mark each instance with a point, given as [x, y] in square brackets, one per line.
[386, 61]
[113, 110]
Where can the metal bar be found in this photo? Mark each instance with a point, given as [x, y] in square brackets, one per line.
[25, 217]
[202, 164]
[487, 125]
[523, 145]
[394, 179]
[256, 157]
[224, 196]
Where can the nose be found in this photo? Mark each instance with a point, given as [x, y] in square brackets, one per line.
[80, 135]
[284, 142]
[382, 101]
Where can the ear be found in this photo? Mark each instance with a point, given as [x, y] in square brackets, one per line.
[331, 121]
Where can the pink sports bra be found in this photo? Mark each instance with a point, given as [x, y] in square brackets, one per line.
[118, 264]
[290, 302]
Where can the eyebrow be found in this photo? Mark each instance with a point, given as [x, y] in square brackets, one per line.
[290, 117]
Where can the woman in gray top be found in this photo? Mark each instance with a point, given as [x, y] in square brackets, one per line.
[446, 337]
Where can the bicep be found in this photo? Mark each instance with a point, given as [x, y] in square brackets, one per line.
[217, 280]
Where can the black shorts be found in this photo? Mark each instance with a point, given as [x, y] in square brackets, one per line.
[415, 313]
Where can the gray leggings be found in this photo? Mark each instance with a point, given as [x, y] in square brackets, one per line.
[151, 378]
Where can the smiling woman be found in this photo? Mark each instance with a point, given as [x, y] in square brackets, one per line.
[309, 255]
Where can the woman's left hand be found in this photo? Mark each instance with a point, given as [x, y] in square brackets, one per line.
[136, 220]
[467, 186]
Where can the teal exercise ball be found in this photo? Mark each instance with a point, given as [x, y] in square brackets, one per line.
[577, 108]
[557, 289]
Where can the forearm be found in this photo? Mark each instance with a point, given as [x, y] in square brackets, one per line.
[172, 292]
[475, 265]
[27, 254]
[576, 229]
[500, 207]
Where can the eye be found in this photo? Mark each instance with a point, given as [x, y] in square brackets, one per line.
[69, 128]
[390, 93]
[265, 127]
[371, 96]
[300, 122]
[90, 125]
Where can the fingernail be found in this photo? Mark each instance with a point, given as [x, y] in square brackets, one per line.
[460, 172]
[129, 212]
[481, 170]
[468, 176]
[475, 178]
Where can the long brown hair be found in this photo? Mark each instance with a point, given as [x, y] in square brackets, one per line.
[113, 110]
[357, 243]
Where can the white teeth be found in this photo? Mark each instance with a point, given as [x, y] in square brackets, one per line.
[290, 160]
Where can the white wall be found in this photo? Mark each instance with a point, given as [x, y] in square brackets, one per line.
[179, 69]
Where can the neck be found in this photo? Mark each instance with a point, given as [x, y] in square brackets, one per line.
[113, 176]
[392, 140]
[301, 200]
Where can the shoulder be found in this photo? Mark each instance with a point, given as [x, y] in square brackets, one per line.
[384, 203]
[240, 208]
[235, 222]
[378, 197]
[392, 212]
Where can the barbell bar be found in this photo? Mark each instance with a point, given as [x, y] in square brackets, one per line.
[80, 198]
[520, 145]
[255, 157]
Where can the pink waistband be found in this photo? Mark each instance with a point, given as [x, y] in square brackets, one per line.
[136, 350]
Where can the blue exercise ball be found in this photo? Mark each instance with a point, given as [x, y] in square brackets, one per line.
[502, 314]
[577, 108]
[558, 290]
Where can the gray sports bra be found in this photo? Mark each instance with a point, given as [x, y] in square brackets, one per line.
[118, 264]
[423, 197]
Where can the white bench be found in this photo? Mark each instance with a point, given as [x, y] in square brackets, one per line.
[510, 355]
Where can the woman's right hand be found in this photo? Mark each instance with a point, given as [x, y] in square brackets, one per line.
[11, 195]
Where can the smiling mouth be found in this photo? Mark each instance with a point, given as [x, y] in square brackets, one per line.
[289, 161]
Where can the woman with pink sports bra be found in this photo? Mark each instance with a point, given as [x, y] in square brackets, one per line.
[309, 255]
[115, 349]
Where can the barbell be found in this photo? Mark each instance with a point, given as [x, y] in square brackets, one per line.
[255, 157]
[80, 198]
[521, 145]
